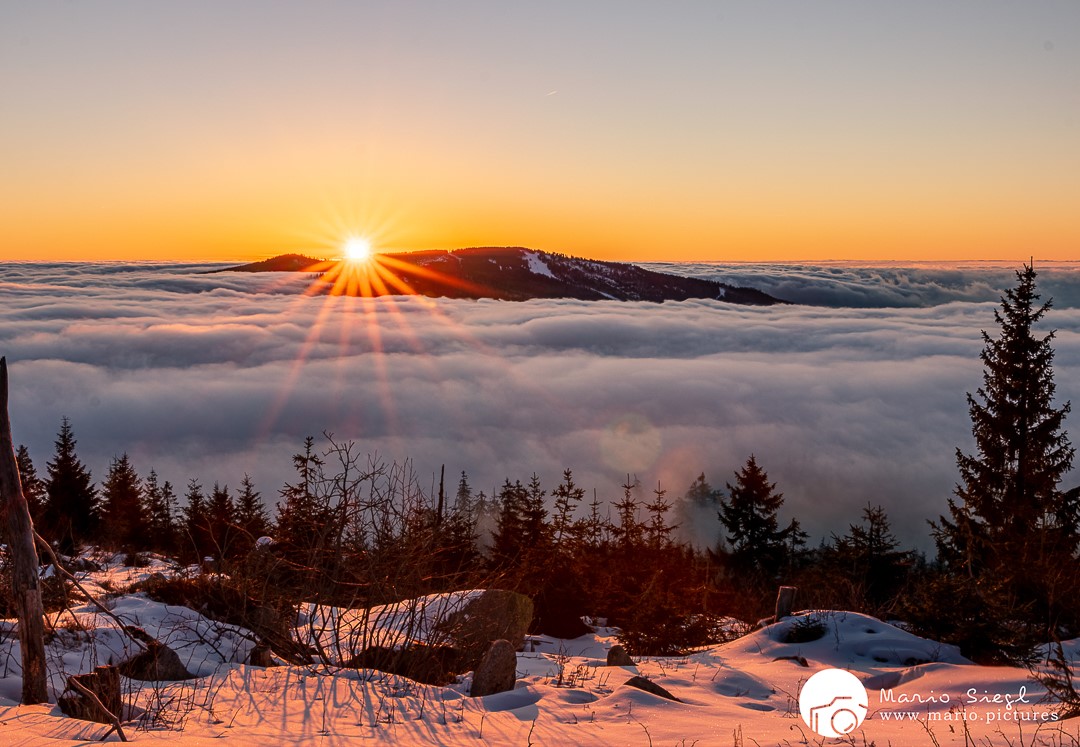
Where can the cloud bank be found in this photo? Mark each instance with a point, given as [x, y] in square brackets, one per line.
[894, 285]
[214, 376]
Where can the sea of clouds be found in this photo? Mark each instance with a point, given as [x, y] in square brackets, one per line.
[854, 395]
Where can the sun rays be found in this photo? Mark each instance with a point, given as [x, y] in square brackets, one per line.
[379, 303]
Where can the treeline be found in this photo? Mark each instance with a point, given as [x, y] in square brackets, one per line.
[352, 531]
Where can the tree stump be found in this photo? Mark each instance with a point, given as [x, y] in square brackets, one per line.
[104, 682]
[785, 601]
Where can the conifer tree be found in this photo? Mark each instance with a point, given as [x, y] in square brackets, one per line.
[463, 499]
[221, 521]
[453, 542]
[159, 502]
[1011, 530]
[658, 531]
[123, 517]
[507, 542]
[251, 515]
[534, 512]
[304, 520]
[594, 527]
[195, 521]
[694, 510]
[794, 545]
[750, 516]
[701, 494]
[568, 497]
[628, 532]
[32, 485]
[71, 504]
[868, 557]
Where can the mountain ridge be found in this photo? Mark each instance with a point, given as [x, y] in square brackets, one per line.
[508, 274]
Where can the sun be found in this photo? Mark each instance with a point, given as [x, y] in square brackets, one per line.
[357, 249]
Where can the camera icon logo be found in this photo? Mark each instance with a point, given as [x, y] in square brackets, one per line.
[833, 703]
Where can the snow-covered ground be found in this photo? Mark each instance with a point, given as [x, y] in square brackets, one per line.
[741, 693]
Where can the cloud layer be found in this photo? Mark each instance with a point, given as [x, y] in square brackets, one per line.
[212, 376]
[893, 285]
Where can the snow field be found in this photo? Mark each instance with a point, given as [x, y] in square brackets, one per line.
[744, 692]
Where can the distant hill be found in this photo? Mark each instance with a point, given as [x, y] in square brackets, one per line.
[513, 274]
[282, 263]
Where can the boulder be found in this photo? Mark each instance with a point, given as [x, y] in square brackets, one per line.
[496, 614]
[432, 665]
[650, 687]
[800, 660]
[260, 656]
[157, 663]
[617, 657]
[497, 671]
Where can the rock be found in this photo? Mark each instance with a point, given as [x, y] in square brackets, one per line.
[495, 614]
[138, 634]
[650, 687]
[432, 665]
[77, 564]
[800, 660]
[497, 670]
[260, 656]
[617, 657]
[157, 663]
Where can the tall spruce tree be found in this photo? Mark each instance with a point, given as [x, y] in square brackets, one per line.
[758, 545]
[1011, 531]
[123, 516]
[71, 504]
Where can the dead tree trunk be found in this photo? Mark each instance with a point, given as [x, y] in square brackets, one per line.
[785, 601]
[19, 534]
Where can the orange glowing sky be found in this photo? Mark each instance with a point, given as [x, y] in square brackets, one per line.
[695, 131]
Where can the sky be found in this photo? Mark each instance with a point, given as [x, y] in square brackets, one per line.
[764, 131]
[214, 376]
